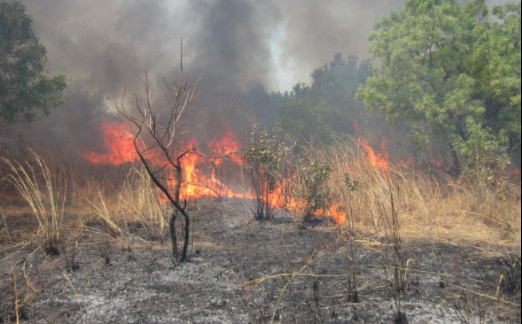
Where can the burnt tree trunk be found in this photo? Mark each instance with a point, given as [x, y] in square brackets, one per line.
[174, 201]
[186, 231]
[173, 238]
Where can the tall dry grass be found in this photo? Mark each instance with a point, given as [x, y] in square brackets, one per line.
[136, 204]
[139, 199]
[431, 205]
[44, 191]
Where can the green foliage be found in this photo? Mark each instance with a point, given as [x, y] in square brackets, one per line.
[313, 114]
[263, 155]
[452, 68]
[312, 187]
[350, 183]
[25, 90]
[419, 137]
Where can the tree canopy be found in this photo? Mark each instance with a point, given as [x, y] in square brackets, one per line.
[25, 90]
[452, 71]
[314, 113]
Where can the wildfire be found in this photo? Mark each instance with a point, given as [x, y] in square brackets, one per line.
[377, 159]
[199, 177]
[226, 146]
[120, 144]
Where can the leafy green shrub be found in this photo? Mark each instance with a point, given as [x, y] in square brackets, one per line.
[263, 155]
[312, 188]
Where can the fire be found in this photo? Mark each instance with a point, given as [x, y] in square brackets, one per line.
[337, 215]
[377, 159]
[227, 146]
[120, 144]
[198, 172]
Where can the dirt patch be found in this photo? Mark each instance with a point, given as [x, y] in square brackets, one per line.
[242, 271]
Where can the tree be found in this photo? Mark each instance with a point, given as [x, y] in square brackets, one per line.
[315, 113]
[158, 143]
[453, 71]
[25, 91]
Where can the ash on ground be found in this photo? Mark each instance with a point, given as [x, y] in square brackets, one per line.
[245, 271]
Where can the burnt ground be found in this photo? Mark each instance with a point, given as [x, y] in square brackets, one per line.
[244, 271]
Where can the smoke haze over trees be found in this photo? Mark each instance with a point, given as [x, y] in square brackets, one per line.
[248, 49]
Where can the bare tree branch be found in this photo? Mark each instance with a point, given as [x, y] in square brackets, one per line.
[157, 143]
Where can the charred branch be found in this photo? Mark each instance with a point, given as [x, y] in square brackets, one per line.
[156, 136]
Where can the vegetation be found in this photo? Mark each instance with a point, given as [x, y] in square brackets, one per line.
[158, 143]
[263, 155]
[25, 90]
[453, 73]
[311, 187]
[45, 194]
[314, 114]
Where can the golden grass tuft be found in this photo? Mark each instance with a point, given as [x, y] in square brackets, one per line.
[135, 204]
[139, 200]
[45, 194]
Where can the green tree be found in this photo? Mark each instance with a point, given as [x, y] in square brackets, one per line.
[25, 91]
[315, 113]
[263, 154]
[453, 71]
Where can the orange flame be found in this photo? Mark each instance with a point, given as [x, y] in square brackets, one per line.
[196, 182]
[120, 144]
[376, 159]
[227, 146]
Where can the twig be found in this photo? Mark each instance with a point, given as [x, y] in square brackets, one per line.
[16, 297]
[76, 296]
[311, 258]
[507, 302]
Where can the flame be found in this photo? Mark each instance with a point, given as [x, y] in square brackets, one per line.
[376, 159]
[337, 215]
[120, 144]
[199, 178]
[227, 146]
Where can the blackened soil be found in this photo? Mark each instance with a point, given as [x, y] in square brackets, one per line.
[244, 271]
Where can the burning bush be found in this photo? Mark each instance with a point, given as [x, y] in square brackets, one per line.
[263, 154]
[312, 189]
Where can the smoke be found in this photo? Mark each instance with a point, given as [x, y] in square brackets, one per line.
[246, 47]
[241, 44]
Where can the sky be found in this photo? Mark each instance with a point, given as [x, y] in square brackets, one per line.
[244, 47]
[276, 44]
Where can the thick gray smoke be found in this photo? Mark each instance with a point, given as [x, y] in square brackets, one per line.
[246, 47]
[241, 43]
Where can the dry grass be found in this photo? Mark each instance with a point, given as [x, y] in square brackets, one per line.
[44, 191]
[136, 204]
[431, 206]
[139, 200]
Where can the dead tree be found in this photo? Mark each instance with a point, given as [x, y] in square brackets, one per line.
[158, 145]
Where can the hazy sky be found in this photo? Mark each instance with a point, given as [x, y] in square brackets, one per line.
[110, 44]
[106, 46]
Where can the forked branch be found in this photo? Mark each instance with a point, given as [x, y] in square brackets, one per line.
[159, 147]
